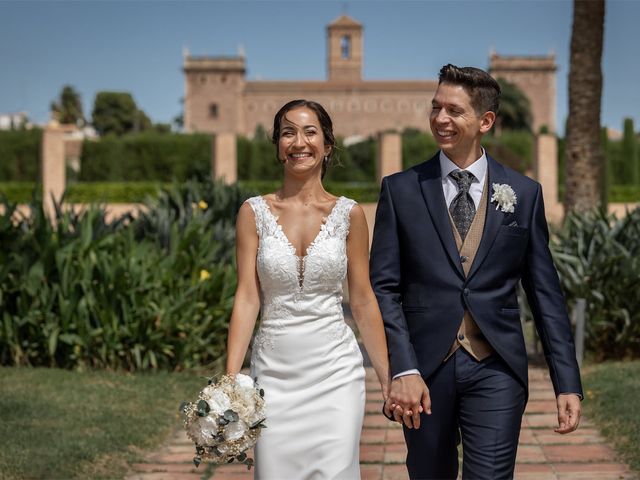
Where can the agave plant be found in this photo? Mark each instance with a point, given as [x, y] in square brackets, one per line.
[211, 206]
[598, 259]
[151, 292]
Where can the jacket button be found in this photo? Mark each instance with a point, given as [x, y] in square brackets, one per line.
[466, 292]
[461, 337]
[464, 258]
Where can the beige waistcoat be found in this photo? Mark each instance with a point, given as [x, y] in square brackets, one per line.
[469, 335]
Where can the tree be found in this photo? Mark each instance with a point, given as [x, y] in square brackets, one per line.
[68, 108]
[143, 122]
[630, 153]
[116, 113]
[515, 108]
[178, 121]
[583, 152]
[605, 190]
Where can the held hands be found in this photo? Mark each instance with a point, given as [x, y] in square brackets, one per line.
[408, 398]
[568, 412]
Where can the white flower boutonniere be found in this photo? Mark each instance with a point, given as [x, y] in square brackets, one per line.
[504, 196]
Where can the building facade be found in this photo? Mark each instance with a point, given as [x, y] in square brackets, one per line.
[219, 98]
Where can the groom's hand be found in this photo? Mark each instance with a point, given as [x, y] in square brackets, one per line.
[408, 397]
[568, 412]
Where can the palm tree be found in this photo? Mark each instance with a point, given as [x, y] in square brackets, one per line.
[68, 109]
[584, 157]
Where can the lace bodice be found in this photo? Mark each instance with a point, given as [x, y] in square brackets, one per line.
[321, 269]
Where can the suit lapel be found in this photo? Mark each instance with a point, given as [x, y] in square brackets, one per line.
[497, 174]
[431, 186]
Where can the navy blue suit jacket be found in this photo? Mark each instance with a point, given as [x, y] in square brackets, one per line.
[422, 291]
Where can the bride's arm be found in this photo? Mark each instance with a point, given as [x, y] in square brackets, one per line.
[362, 300]
[246, 303]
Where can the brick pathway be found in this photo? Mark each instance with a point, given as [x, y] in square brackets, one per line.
[542, 454]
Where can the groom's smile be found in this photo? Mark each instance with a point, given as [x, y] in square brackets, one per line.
[455, 124]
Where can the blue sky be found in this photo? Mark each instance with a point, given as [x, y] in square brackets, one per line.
[136, 46]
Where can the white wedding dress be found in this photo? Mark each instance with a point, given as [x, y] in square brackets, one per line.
[304, 355]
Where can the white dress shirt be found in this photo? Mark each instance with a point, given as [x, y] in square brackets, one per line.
[450, 190]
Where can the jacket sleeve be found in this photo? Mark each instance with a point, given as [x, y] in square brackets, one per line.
[385, 271]
[548, 306]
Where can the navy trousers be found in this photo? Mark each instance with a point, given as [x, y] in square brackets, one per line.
[479, 402]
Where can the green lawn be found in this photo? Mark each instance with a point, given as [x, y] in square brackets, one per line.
[612, 391]
[57, 424]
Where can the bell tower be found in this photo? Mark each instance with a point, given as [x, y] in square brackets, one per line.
[344, 50]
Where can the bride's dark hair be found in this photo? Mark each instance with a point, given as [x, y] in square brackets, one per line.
[325, 123]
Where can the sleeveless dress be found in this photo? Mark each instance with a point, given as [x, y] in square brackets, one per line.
[305, 356]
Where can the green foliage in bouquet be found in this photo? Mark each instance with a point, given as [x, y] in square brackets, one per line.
[150, 292]
[598, 258]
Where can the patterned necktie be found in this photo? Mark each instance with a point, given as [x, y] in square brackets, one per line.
[462, 208]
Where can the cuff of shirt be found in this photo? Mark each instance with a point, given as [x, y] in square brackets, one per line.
[561, 393]
[413, 371]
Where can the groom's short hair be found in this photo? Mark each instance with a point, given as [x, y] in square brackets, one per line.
[481, 87]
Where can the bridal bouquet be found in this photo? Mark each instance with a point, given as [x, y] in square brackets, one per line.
[226, 420]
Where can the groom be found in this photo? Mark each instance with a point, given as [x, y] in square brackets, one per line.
[453, 237]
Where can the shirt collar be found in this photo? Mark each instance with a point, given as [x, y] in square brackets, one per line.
[478, 168]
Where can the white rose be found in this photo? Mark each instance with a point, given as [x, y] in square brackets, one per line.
[203, 430]
[255, 417]
[208, 390]
[218, 402]
[246, 412]
[235, 430]
[244, 381]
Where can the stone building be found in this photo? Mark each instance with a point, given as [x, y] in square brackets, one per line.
[219, 98]
[536, 77]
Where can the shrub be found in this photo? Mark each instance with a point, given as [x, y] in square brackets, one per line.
[598, 258]
[20, 155]
[146, 157]
[19, 192]
[354, 163]
[417, 146]
[154, 292]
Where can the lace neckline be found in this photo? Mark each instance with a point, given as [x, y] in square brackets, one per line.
[283, 236]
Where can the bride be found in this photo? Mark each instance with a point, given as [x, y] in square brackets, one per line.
[294, 248]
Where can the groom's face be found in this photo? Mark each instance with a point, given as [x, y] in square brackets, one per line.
[454, 123]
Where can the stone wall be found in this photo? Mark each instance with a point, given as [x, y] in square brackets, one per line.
[536, 77]
[356, 109]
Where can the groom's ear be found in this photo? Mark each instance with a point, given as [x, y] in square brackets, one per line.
[486, 121]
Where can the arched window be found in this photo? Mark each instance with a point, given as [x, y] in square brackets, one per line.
[213, 110]
[345, 46]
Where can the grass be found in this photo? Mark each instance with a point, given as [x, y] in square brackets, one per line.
[57, 424]
[612, 390]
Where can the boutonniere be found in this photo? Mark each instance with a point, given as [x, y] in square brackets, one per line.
[504, 196]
